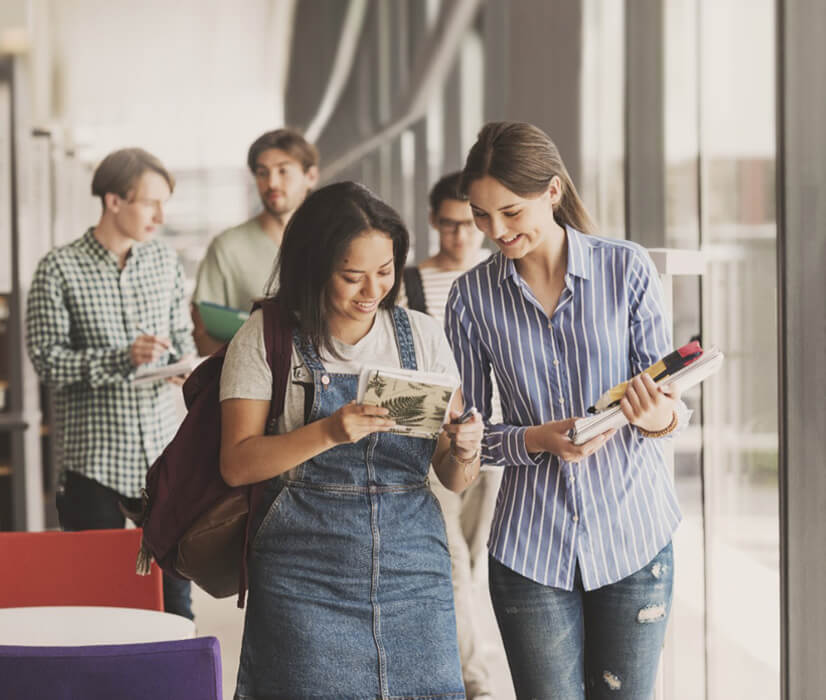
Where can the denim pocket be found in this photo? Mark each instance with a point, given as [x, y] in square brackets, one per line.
[269, 517]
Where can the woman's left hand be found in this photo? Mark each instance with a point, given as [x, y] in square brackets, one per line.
[647, 405]
[465, 438]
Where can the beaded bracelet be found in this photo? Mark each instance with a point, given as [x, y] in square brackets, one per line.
[670, 428]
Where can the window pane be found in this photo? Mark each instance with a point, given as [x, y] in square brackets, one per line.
[602, 184]
[738, 172]
[685, 654]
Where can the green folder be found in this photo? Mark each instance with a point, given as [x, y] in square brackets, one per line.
[222, 322]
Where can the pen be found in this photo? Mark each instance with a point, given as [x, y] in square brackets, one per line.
[466, 416]
[172, 351]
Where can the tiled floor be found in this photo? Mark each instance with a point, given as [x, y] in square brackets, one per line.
[222, 619]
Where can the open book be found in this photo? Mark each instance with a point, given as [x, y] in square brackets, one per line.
[701, 368]
[418, 401]
[146, 374]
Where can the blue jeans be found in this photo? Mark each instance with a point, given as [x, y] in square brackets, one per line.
[85, 504]
[571, 645]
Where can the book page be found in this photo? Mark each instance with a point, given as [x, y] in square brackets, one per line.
[147, 375]
[417, 401]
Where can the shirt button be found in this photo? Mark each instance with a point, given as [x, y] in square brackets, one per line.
[575, 518]
[325, 380]
[572, 478]
[561, 400]
[556, 363]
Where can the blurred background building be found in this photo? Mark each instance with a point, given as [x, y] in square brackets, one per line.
[687, 124]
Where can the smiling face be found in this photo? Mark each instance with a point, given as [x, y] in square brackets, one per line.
[282, 181]
[361, 279]
[518, 225]
[137, 216]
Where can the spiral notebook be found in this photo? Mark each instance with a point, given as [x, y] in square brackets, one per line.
[703, 367]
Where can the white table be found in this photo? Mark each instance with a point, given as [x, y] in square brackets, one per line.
[79, 625]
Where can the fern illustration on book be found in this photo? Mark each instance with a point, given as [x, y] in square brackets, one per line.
[417, 401]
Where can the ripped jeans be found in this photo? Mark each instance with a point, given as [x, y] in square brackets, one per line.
[571, 645]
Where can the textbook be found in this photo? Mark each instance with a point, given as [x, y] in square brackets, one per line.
[146, 374]
[418, 401]
[700, 367]
[668, 365]
[222, 322]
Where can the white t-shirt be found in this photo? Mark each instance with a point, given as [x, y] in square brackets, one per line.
[436, 284]
[247, 375]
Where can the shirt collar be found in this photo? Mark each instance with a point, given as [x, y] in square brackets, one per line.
[96, 249]
[579, 253]
[579, 257]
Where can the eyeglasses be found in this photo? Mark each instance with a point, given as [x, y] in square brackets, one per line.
[453, 226]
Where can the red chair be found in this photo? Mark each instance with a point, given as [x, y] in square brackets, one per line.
[92, 567]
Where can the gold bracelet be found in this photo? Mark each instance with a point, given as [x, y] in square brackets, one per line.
[464, 462]
[670, 428]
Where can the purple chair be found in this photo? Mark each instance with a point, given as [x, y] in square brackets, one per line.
[187, 669]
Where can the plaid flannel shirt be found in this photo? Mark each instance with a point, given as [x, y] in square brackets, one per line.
[82, 316]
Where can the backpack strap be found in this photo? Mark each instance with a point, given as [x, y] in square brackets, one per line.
[414, 289]
[278, 340]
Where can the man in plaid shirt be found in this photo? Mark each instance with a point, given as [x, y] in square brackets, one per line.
[100, 307]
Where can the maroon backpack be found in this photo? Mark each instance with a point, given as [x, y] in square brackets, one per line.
[188, 507]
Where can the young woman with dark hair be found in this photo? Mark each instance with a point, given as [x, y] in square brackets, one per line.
[349, 576]
[580, 548]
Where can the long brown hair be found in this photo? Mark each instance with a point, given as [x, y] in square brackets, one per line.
[524, 159]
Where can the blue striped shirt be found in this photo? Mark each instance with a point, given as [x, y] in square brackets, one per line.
[613, 511]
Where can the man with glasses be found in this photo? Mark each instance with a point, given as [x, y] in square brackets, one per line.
[468, 514]
[98, 309]
[239, 261]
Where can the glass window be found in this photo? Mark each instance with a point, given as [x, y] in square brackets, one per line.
[685, 676]
[602, 183]
[720, 182]
[737, 145]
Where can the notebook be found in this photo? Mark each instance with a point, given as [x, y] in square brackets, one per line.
[222, 322]
[703, 367]
[147, 374]
[418, 401]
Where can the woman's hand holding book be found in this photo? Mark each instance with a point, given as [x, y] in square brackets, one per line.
[649, 406]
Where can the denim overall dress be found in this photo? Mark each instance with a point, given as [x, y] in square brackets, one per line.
[350, 594]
